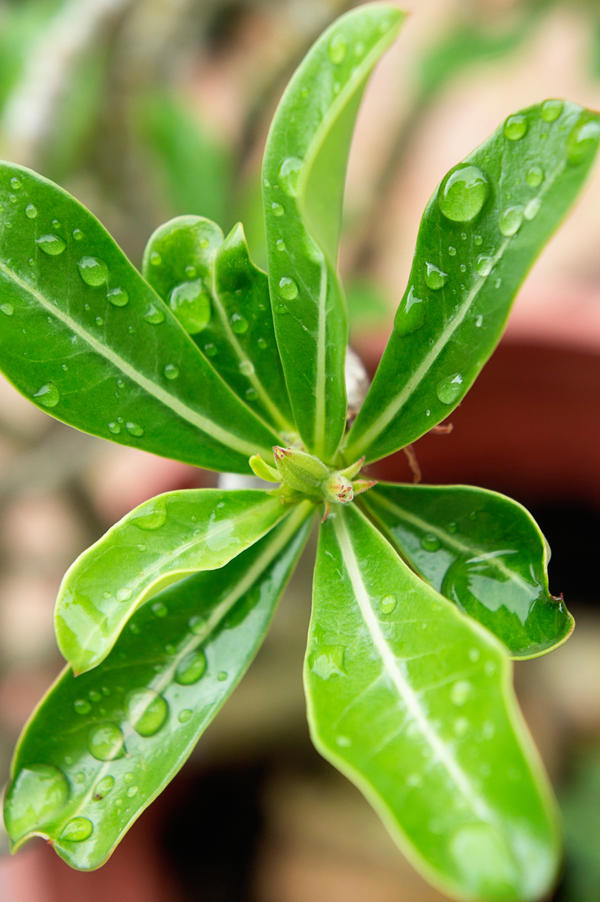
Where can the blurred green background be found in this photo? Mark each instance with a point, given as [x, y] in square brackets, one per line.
[146, 109]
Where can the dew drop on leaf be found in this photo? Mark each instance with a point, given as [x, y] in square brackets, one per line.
[52, 245]
[483, 265]
[151, 516]
[289, 173]
[147, 711]
[535, 176]
[77, 829]
[171, 371]
[239, 324]
[134, 429]
[388, 604]
[93, 272]
[103, 787]
[77, 234]
[210, 349]
[288, 288]
[191, 305]
[583, 140]
[280, 245]
[222, 676]
[246, 368]
[337, 49]
[410, 314]
[7, 309]
[124, 594]
[185, 715]
[277, 209]
[114, 427]
[449, 389]
[197, 624]
[154, 315]
[430, 543]
[82, 706]
[105, 742]
[118, 297]
[511, 220]
[515, 127]
[15, 183]
[132, 792]
[190, 668]
[532, 208]
[435, 278]
[37, 794]
[328, 661]
[159, 609]
[463, 193]
[551, 110]
[460, 692]
[155, 258]
[31, 211]
[48, 395]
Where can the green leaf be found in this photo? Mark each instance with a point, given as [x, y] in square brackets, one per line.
[85, 338]
[481, 550]
[412, 701]
[222, 300]
[156, 544]
[100, 747]
[480, 234]
[304, 171]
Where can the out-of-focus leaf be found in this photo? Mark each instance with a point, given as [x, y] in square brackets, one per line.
[413, 702]
[100, 747]
[481, 550]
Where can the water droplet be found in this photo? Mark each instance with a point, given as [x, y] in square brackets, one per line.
[583, 140]
[239, 324]
[262, 344]
[460, 692]
[147, 711]
[222, 676]
[185, 715]
[532, 208]
[336, 49]
[191, 271]
[94, 695]
[210, 349]
[36, 795]
[461, 725]
[463, 193]
[94, 272]
[246, 368]
[328, 661]
[77, 829]
[99, 321]
[53, 245]
[191, 305]
[31, 211]
[452, 251]
[463, 267]
[154, 315]
[171, 371]
[15, 183]
[435, 278]
[114, 427]
[410, 314]
[551, 110]
[197, 624]
[151, 515]
[388, 604]
[129, 778]
[134, 429]
[414, 780]
[483, 265]
[80, 778]
[77, 234]
[190, 668]
[289, 174]
[449, 389]
[280, 245]
[155, 258]
[159, 609]
[105, 742]
[277, 209]
[48, 395]
[103, 787]
[82, 706]
[430, 542]
[511, 220]
[474, 654]
[489, 668]
[535, 176]
[515, 126]
[118, 297]
[124, 594]
[7, 309]
[132, 792]
[288, 288]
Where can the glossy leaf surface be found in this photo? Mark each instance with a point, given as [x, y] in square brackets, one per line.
[222, 300]
[480, 234]
[482, 551]
[304, 171]
[412, 701]
[85, 338]
[156, 544]
[100, 747]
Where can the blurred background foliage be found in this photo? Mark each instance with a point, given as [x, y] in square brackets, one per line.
[147, 109]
